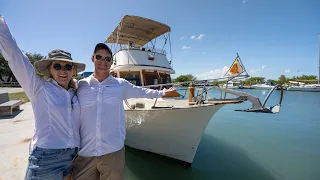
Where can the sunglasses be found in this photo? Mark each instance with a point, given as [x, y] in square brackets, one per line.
[105, 58]
[67, 67]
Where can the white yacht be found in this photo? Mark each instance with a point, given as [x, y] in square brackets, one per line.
[299, 86]
[171, 126]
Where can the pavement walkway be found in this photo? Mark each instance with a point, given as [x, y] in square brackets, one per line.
[15, 134]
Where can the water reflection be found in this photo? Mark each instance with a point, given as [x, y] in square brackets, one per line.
[215, 160]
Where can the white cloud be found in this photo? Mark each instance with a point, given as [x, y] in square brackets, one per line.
[201, 36]
[257, 70]
[186, 47]
[182, 38]
[244, 1]
[216, 73]
[287, 70]
[254, 71]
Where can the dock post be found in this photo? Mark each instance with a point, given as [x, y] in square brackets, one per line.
[191, 93]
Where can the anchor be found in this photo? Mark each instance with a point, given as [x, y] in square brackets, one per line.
[257, 106]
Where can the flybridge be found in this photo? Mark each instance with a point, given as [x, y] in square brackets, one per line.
[136, 30]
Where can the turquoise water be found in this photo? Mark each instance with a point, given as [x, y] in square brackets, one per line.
[247, 146]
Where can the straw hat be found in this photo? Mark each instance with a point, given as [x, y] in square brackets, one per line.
[57, 55]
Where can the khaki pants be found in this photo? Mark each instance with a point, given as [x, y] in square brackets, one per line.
[107, 167]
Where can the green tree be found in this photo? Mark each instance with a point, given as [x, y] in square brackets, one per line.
[184, 78]
[282, 79]
[254, 80]
[6, 71]
[272, 81]
[308, 79]
[4, 68]
[33, 58]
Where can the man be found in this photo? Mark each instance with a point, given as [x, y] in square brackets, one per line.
[103, 123]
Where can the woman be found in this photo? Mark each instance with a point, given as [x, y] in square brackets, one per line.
[56, 108]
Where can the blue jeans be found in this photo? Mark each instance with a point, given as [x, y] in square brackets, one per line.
[50, 164]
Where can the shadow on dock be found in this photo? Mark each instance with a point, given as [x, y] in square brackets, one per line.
[14, 114]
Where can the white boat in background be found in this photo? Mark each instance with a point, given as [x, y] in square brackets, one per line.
[307, 88]
[298, 86]
[171, 126]
[262, 86]
[231, 85]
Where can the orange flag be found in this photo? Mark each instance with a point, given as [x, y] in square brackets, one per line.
[235, 69]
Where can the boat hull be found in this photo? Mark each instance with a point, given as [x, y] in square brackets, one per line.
[263, 87]
[174, 133]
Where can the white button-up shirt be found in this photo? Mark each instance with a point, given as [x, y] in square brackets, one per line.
[56, 110]
[102, 121]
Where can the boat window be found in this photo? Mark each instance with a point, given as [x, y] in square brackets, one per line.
[165, 79]
[132, 77]
[152, 79]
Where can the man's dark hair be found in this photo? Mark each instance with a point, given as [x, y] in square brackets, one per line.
[102, 46]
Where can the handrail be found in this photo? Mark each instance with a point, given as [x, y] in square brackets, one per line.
[193, 82]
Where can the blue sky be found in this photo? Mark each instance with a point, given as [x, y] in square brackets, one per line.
[272, 37]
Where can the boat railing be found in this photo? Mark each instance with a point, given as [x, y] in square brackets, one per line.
[202, 97]
[197, 81]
